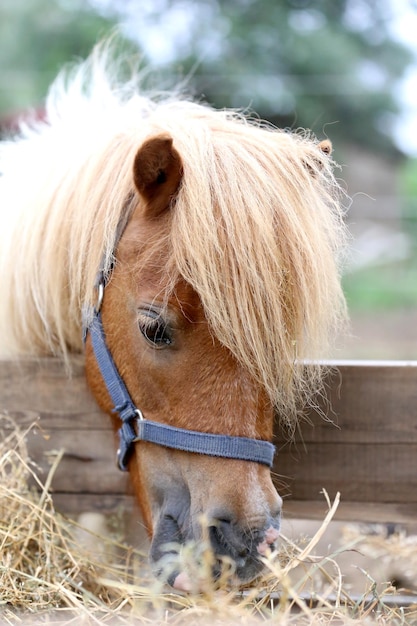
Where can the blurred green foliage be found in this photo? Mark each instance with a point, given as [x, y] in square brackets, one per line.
[392, 284]
[408, 186]
[37, 38]
[382, 287]
[300, 62]
[296, 62]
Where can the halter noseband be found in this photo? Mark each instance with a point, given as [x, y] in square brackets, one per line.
[136, 428]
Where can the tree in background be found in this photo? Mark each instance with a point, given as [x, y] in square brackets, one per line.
[37, 38]
[296, 62]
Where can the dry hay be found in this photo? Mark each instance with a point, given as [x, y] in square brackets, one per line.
[391, 548]
[49, 576]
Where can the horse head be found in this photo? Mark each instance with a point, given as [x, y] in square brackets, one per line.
[179, 373]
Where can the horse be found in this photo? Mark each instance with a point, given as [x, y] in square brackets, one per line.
[194, 256]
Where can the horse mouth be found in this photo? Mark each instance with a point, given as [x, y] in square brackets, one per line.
[217, 572]
[188, 564]
[242, 574]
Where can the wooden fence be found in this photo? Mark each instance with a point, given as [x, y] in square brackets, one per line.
[366, 449]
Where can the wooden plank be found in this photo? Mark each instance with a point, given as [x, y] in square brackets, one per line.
[88, 464]
[45, 385]
[366, 449]
[366, 402]
[45, 393]
[373, 512]
[370, 456]
[123, 505]
[361, 472]
[108, 504]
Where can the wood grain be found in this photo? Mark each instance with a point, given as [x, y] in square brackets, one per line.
[361, 443]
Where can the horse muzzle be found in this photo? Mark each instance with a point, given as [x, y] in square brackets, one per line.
[221, 547]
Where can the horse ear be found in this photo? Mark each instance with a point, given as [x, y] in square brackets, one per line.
[317, 163]
[326, 146]
[157, 173]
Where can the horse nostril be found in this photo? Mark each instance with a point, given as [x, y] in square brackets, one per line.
[218, 530]
[268, 544]
[225, 540]
[271, 535]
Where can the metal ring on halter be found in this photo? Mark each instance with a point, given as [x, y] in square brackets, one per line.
[100, 295]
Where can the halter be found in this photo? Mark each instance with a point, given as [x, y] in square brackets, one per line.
[136, 428]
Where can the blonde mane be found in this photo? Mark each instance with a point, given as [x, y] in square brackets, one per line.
[257, 227]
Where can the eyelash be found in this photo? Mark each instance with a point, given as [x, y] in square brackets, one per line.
[155, 329]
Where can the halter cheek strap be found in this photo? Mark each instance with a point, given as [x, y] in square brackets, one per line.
[136, 428]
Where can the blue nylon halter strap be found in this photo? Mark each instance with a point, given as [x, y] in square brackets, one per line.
[135, 428]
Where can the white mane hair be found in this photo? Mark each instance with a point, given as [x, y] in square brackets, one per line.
[257, 228]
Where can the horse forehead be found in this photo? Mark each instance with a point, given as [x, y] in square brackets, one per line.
[144, 236]
[151, 281]
[185, 298]
[145, 251]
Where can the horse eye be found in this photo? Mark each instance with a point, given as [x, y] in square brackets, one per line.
[155, 329]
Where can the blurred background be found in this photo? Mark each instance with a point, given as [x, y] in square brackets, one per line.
[347, 69]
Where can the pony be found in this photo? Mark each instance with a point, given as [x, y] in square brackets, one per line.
[202, 249]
